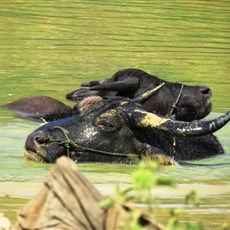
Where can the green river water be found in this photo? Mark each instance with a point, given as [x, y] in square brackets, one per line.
[51, 47]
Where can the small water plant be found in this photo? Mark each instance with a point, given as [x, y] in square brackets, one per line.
[144, 180]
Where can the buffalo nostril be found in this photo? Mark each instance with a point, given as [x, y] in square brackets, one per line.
[205, 90]
[35, 140]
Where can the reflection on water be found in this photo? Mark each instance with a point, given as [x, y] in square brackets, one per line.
[44, 43]
[50, 47]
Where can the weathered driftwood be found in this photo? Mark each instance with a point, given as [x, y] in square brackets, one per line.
[68, 201]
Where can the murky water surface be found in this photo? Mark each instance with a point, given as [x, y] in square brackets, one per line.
[51, 47]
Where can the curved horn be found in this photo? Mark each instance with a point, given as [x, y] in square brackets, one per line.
[178, 128]
[126, 84]
[145, 96]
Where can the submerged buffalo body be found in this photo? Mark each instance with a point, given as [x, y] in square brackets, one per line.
[112, 130]
[172, 99]
[184, 102]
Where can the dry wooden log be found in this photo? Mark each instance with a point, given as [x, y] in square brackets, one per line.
[66, 201]
[69, 201]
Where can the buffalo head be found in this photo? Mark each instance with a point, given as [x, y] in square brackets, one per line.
[184, 102]
[112, 130]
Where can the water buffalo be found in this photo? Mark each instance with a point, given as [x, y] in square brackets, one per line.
[118, 130]
[173, 99]
[184, 102]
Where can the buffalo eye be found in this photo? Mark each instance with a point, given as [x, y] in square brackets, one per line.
[109, 121]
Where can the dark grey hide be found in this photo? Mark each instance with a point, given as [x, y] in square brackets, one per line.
[121, 126]
[194, 102]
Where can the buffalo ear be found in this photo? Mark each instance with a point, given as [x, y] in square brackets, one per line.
[79, 94]
[39, 108]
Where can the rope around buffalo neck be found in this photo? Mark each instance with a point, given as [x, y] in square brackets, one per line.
[67, 143]
[171, 114]
[174, 105]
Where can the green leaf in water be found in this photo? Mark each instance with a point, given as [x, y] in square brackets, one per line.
[143, 179]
